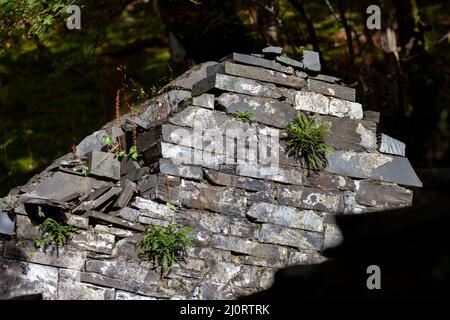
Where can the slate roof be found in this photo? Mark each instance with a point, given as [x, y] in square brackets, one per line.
[249, 219]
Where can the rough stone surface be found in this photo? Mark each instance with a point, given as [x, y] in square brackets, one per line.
[235, 84]
[7, 223]
[104, 164]
[262, 74]
[260, 62]
[375, 166]
[392, 146]
[205, 100]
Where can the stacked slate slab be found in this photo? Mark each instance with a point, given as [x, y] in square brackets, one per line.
[249, 217]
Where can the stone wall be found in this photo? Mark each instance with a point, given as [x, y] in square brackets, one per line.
[249, 217]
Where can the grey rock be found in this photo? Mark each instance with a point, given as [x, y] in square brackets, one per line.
[375, 166]
[205, 100]
[343, 108]
[262, 74]
[234, 274]
[265, 110]
[286, 216]
[333, 236]
[224, 179]
[65, 257]
[203, 220]
[330, 79]
[115, 221]
[260, 62]
[104, 164]
[169, 167]
[373, 116]
[123, 295]
[289, 237]
[272, 51]
[244, 229]
[249, 247]
[128, 271]
[25, 229]
[62, 185]
[289, 62]
[208, 253]
[384, 195]
[114, 231]
[197, 73]
[153, 221]
[311, 60]
[23, 278]
[152, 209]
[93, 142]
[92, 240]
[7, 223]
[204, 197]
[235, 84]
[69, 288]
[305, 257]
[129, 214]
[334, 90]
[392, 146]
[311, 198]
[129, 189]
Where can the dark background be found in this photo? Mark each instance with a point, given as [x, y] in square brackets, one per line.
[59, 85]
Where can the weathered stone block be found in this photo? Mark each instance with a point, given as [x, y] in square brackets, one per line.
[128, 271]
[342, 108]
[286, 216]
[66, 257]
[289, 62]
[382, 195]
[116, 221]
[152, 209]
[208, 253]
[348, 134]
[104, 164]
[333, 236]
[94, 241]
[153, 221]
[129, 214]
[197, 73]
[260, 62]
[205, 100]
[23, 278]
[7, 223]
[204, 197]
[234, 274]
[249, 247]
[311, 198]
[169, 167]
[272, 51]
[312, 102]
[265, 110]
[264, 75]
[244, 229]
[305, 257]
[375, 166]
[93, 142]
[311, 60]
[334, 90]
[274, 234]
[224, 179]
[62, 185]
[114, 231]
[392, 146]
[224, 82]
[203, 220]
[70, 288]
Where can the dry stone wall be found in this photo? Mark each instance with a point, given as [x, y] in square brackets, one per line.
[249, 217]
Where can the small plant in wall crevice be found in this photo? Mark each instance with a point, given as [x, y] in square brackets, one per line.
[54, 232]
[305, 139]
[165, 246]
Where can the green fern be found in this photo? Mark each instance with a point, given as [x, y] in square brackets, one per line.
[165, 246]
[245, 116]
[55, 233]
[306, 140]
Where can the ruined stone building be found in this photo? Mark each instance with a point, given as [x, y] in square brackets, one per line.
[252, 207]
